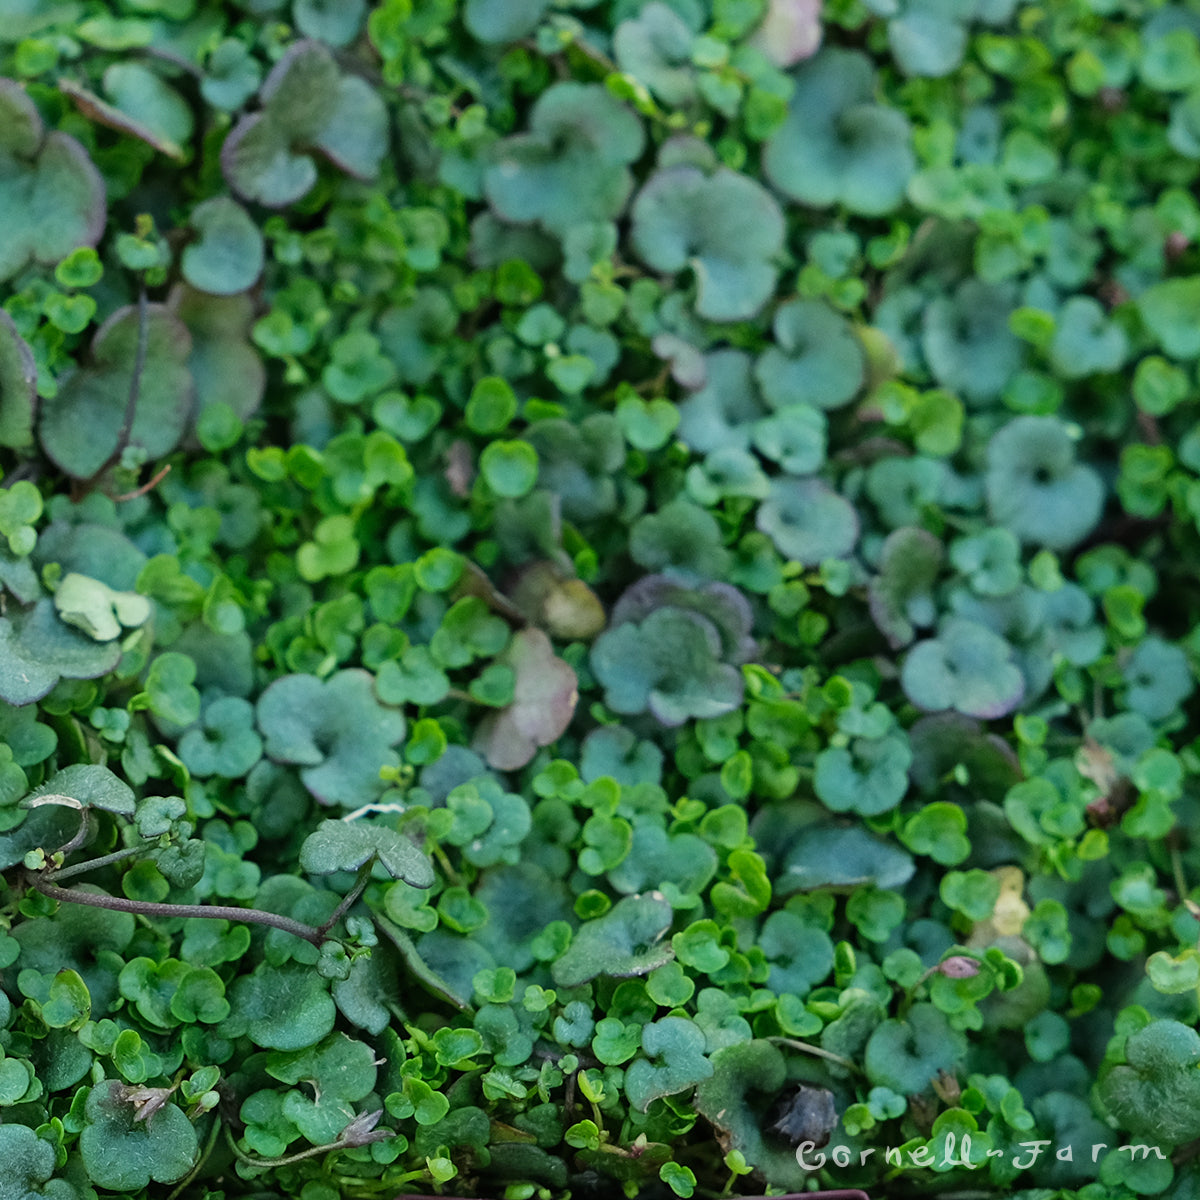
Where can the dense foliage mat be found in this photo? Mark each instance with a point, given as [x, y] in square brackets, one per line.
[597, 596]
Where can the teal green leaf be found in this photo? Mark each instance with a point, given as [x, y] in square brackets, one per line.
[498, 21]
[281, 1008]
[808, 521]
[1035, 486]
[816, 358]
[229, 255]
[867, 777]
[1170, 310]
[346, 845]
[678, 1046]
[307, 105]
[626, 941]
[334, 730]
[81, 424]
[726, 227]
[37, 649]
[906, 1054]
[837, 146]
[1155, 1092]
[966, 667]
[53, 193]
[334, 22]
[572, 165]
[29, 1166]
[121, 1153]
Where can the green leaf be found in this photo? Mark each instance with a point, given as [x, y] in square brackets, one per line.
[938, 830]
[571, 166]
[37, 649]
[29, 1166]
[1154, 1093]
[340, 1071]
[816, 359]
[280, 1008]
[346, 845]
[81, 424]
[91, 786]
[808, 521]
[835, 856]
[334, 730]
[905, 1055]
[307, 105]
[228, 257]
[54, 193]
[867, 777]
[726, 227]
[509, 467]
[169, 688]
[966, 667]
[69, 1003]
[1036, 488]
[800, 955]
[121, 1153]
[1171, 312]
[498, 21]
[678, 1045]
[836, 146]
[626, 941]
[746, 1078]
[334, 22]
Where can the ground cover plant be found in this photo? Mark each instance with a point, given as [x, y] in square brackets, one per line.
[594, 593]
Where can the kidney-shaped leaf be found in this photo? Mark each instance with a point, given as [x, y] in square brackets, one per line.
[808, 521]
[837, 146]
[572, 165]
[816, 358]
[901, 596]
[746, 1078]
[678, 1046]
[668, 664]
[281, 1008]
[868, 777]
[225, 366]
[346, 845]
[1171, 312]
[51, 195]
[966, 667]
[1036, 488]
[37, 649]
[626, 941]
[1156, 1092]
[307, 105]
[227, 256]
[905, 1055]
[123, 1154]
[29, 1163]
[82, 424]
[725, 226]
[335, 730]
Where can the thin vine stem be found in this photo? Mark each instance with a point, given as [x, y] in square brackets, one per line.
[92, 864]
[360, 886]
[147, 908]
[819, 1051]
